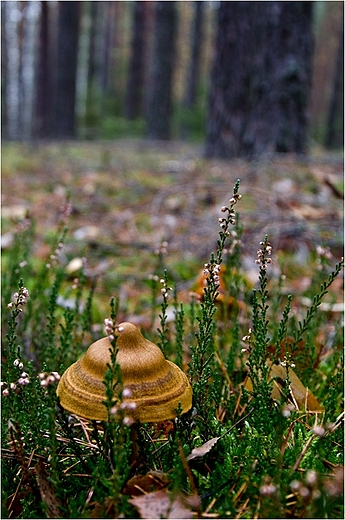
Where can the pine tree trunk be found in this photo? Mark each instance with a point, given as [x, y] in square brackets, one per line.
[43, 87]
[292, 75]
[4, 76]
[91, 109]
[64, 112]
[193, 74]
[160, 104]
[335, 127]
[196, 45]
[260, 80]
[107, 46]
[135, 82]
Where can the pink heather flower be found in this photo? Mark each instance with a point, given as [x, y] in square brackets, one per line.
[128, 421]
[127, 393]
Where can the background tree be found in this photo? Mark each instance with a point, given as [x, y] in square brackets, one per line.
[260, 79]
[196, 47]
[4, 54]
[30, 77]
[66, 70]
[108, 44]
[327, 25]
[92, 112]
[18, 56]
[194, 69]
[160, 102]
[42, 121]
[335, 127]
[135, 80]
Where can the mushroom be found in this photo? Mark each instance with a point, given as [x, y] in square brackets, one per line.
[156, 386]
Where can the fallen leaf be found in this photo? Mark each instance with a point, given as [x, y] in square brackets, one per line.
[7, 240]
[89, 232]
[286, 347]
[140, 484]
[47, 491]
[302, 397]
[15, 212]
[159, 505]
[200, 451]
[74, 265]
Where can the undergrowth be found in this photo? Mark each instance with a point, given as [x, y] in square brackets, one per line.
[256, 443]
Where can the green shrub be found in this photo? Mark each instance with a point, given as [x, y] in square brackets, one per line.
[237, 453]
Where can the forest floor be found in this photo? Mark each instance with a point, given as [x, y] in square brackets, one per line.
[137, 212]
[129, 196]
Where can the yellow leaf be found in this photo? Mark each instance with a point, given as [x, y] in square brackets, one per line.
[302, 398]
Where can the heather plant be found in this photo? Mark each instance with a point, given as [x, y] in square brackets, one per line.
[243, 450]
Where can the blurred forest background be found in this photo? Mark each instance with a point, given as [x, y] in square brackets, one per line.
[229, 74]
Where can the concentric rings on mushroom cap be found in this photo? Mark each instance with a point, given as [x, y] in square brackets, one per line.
[157, 385]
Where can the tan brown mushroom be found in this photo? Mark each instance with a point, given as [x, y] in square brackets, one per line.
[156, 386]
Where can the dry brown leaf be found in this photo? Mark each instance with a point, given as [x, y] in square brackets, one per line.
[303, 398]
[286, 347]
[200, 451]
[103, 510]
[159, 505]
[140, 484]
[47, 491]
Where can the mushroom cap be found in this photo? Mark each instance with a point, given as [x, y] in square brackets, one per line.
[157, 386]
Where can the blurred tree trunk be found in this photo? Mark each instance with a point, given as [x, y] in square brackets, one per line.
[292, 70]
[21, 89]
[160, 103]
[193, 75]
[260, 79]
[196, 45]
[66, 69]
[93, 70]
[42, 124]
[335, 129]
[107, 46]
[13, 68]
[135, 81]
[30, 16]
[150, 20]
[119, 59]
[92, 62]
[4, 65]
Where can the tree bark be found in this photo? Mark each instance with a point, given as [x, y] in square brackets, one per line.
[43, 83]
[292, 75]
[160, 104]
[135, 82]
[4, 76]
[107, 46]
[196, 46]
[193, 74]
[260, 79]
[64, 125]
[92, 110]
[335, 127]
